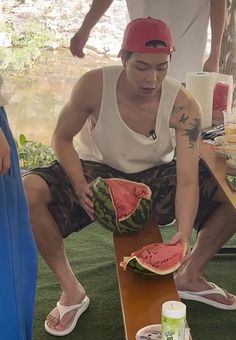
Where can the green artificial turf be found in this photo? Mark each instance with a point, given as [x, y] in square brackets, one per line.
[91, 255]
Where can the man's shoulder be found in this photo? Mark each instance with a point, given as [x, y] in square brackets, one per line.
[186, 109]
[95, 76]
[185, 99]
[89, 84]
[92, 76]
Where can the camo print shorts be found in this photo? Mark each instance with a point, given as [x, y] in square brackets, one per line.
[70, 216]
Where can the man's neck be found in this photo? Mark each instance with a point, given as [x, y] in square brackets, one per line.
[127, 91]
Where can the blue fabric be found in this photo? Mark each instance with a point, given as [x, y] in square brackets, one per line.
[18, 259]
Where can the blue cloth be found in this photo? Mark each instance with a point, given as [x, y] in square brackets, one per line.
[18, 259]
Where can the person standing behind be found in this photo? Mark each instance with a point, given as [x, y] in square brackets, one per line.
[187, 19]
[18, 260]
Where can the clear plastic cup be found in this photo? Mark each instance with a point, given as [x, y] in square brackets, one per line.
[230, 122]
[231, 156]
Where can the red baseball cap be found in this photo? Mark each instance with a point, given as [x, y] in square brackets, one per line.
[142, 30]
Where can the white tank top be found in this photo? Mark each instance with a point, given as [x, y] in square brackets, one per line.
[113, 143]
[188, 20]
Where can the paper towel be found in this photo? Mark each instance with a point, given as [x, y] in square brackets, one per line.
[200, 85]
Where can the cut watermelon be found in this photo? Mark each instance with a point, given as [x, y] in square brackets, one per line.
[156, 258]
[120, 205]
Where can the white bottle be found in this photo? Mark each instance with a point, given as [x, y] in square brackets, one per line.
[173, 320]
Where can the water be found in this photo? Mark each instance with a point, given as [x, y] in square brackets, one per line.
[37, 95]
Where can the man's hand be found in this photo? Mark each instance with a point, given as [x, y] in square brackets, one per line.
[177, 237]
[4, 154]
[84, 195]
[78, 42]
[211, 64]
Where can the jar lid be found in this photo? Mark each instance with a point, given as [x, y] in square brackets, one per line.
[152, 332]
[174, 309]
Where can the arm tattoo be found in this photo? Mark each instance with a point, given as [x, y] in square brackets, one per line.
[181, 110]
[178, 109]
[193, 133]
[183, 118]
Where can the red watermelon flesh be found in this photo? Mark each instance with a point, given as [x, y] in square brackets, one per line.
[220, 96]
[126, 196]
[161, 255]
[156, 258]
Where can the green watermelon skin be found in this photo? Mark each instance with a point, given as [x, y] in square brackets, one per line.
[105, 213]
[134, 266]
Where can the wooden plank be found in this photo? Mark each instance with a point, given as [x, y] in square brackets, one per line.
[141, 297]
[218, 168]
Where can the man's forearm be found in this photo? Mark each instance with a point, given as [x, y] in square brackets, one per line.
[97, 9]
[69, 160]
[186, 205]
[217, 19]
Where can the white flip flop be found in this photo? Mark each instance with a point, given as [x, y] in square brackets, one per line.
[81, 307]
[200, 296]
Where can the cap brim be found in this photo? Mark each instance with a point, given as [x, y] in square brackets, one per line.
[146, 49]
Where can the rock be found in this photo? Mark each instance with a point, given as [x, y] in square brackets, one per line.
[64, 17]
[5, 39]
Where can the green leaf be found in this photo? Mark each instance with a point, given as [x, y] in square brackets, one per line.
[22, 139]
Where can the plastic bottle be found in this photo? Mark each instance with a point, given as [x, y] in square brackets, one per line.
[173, 320]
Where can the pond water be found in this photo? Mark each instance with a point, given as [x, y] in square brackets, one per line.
[36, 96]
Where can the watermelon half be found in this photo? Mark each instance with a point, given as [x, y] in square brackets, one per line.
[120, 205]
[156, 259]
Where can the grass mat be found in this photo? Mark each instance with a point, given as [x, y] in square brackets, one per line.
[91, 256]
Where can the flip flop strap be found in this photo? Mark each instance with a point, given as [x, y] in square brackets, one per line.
[214, 290]
[65, 309]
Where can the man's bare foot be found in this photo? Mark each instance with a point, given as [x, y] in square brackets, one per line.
[184, 284]
[53, 319]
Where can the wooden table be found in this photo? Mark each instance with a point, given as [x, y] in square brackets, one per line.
[141, 297]
[218, 168]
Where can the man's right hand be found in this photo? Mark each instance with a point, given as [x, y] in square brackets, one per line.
[78, 42]
[85, 195]
[4, 154]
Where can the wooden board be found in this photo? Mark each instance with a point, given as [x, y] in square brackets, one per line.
[141, 297]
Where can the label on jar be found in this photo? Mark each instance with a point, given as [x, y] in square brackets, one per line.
[172, 328]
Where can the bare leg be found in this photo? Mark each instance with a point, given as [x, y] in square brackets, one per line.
[217, 230]
[51, 247]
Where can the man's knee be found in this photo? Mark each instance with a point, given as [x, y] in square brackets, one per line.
[36, 190]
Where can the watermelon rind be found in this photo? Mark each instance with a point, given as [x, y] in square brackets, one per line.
[139, 266]
[105, 213]
[103, 207]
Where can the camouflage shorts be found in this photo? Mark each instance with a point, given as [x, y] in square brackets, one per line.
[70, 216]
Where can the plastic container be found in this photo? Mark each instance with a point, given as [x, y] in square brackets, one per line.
[173, 320]
[153, 332]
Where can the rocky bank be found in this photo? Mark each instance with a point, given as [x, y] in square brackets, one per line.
[63, 18]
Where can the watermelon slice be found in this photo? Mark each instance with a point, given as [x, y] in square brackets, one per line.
[156, 258]
[120, 205]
